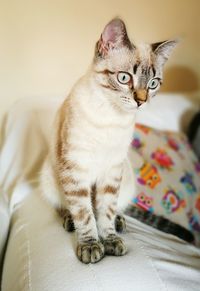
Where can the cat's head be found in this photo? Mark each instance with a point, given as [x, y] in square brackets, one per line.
[129, 75]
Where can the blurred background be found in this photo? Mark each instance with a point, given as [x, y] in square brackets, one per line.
[45, 46]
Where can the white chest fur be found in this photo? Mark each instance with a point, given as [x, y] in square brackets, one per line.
[101, 133]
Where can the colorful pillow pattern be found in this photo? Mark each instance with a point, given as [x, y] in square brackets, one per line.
[168, 180]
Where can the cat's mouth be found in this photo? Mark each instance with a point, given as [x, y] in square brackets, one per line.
[132, 104]
[139, 102]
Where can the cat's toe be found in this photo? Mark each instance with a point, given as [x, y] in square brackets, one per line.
[120, 223]
[114, 246]
[90, 252]
[68, 224]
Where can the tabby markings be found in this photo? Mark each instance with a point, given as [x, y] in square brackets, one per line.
[110, 189]
[78, 193]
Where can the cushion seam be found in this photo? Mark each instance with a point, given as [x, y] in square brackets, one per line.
[142, 247]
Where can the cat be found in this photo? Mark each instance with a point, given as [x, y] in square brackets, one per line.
[87, 171]
[160, 222]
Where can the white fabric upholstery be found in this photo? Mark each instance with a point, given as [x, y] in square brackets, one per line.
[168, 112]
[4, 226]
[40, 255]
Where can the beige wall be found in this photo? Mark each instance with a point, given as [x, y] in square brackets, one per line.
[46, 45]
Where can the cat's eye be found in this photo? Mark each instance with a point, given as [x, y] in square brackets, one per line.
[123, 77]
[153, 83]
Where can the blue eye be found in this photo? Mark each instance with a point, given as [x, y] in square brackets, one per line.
[123, 77]
[153, 84]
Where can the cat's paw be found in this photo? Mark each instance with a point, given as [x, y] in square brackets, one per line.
[120, 223]
[90, 251]
[114, 246]
[68, 223]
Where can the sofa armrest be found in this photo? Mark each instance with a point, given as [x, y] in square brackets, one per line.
[168, 112]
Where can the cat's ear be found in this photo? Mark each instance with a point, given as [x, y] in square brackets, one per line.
[163, 50]
[113, 36]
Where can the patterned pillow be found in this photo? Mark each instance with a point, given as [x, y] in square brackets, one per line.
[168, 180]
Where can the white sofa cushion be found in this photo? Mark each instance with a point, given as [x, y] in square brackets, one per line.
[41, 256]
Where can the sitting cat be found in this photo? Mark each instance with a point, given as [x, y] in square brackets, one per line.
[86, 163]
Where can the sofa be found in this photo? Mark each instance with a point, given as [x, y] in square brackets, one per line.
[37, 254]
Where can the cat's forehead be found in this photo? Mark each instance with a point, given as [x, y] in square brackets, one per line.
[121, 59]
[125, 59]
[144, 54]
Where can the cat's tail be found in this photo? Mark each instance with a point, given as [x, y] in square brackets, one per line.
[161, 223]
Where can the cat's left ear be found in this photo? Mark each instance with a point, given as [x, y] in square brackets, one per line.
[163, 50]
[114, 36]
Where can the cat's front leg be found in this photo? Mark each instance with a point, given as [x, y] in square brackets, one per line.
[106, 208]
[77, 195]
[89, 248]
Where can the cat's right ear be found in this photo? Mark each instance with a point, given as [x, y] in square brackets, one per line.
[114, 36]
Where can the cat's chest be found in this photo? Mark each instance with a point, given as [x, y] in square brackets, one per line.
[114, 139]
[105, 143]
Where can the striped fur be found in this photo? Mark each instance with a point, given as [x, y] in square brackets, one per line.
[91, 136]
[160, 222]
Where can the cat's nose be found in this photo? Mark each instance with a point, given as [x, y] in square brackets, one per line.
[140, 96]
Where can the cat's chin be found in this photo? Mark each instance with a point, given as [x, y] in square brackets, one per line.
[130, 107]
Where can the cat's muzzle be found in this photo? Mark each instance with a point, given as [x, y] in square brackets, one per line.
[140, 97]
